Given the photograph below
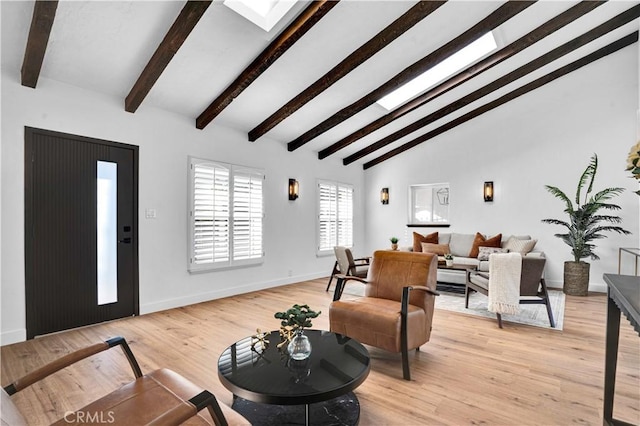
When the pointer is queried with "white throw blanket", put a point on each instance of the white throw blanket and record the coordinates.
(504, 283)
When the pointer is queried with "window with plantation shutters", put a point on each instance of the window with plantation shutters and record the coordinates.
(335, 216)
(225, 215)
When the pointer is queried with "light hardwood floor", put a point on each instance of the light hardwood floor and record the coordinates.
(471, 372)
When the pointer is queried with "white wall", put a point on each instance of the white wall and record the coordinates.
(544, 137)
(165, 141)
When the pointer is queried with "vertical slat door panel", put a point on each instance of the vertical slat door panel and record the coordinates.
(61, 233)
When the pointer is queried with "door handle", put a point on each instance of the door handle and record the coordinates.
(126, 240)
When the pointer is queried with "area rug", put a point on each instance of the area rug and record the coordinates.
(535, 315)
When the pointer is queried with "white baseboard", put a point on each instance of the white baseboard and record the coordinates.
(14, 336)
(594, 287)
(219, 294)
(20, 335)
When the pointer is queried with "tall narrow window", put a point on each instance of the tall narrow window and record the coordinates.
(335, 216)
(107, 229)
(226, 215)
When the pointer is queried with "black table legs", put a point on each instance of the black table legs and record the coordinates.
(611, 359)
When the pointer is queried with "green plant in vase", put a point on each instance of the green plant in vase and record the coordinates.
(294, 321)
(394, 243)
(297, 317)
(448, 259)
(585, 224)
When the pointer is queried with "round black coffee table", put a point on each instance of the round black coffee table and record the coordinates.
(271, 388)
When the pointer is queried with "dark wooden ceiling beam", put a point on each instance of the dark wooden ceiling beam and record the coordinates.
(44, 13)
(499, 16)
(467, 74)
(303, 23)
(621, 19)
(410, 18)
(173, 40)
(598, 54)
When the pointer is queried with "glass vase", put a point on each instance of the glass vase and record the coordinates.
(299, 347)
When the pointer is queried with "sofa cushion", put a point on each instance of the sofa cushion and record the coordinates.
(418, 239)
(506, 238)
(485, 252)
(439, 249)
(480, 241)
(520, 246)
(461, 244)
(444, 237)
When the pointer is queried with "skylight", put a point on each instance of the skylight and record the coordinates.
(263, 13)
(454, 63)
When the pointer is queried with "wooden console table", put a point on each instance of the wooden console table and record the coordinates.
(624, 296)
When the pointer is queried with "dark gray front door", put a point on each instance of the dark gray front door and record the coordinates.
(81, 245)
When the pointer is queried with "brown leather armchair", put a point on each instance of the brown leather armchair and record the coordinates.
(161, 397)
(533, 289)
(396, 311)
(347, 265)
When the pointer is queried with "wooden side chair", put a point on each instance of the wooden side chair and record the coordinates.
(533, 289)
(396, 311)
(346, 265)
(161, 397)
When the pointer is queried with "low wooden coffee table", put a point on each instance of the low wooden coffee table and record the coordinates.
(453, 287)
(270, 388)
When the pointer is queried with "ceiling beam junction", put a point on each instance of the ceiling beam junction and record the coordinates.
(617, 21)
(398, 27)
(44, 13)
(173, 40)
(467, 74)
(499, 16)
(287, 38)
(560, 72)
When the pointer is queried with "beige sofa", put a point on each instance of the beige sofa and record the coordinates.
(461, 246)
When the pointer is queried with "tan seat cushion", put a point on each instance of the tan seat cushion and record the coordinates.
(148, 397)
(376, 322)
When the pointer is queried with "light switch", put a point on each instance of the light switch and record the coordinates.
(150, 213)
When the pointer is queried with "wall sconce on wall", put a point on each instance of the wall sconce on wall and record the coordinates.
(384, 196)
(293, 189)
(488, 191)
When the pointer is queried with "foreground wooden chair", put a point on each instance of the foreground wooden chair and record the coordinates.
(161, 397)
(396, 311)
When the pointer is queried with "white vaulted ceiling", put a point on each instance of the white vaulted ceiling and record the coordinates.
(104, 46)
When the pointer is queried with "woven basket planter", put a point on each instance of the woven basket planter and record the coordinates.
(576, 278)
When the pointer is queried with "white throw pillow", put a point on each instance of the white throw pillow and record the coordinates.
(484, 252)
(520, 246)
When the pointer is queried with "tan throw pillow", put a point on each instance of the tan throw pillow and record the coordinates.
(439, 249)
(485, 252)
(520, 246)
(419, 239)
(480, 241)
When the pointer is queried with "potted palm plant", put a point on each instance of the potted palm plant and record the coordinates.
(584, 226)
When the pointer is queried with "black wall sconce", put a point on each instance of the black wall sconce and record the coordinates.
(293, 189)
(384, 196)
(488, 191)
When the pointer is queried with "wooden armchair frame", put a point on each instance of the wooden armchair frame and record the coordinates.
(352, 268)
(176, 415)
(532, 284)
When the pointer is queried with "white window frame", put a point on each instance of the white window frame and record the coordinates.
(337, 215)
(239, 213)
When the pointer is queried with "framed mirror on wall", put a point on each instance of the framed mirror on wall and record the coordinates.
(429, 204)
